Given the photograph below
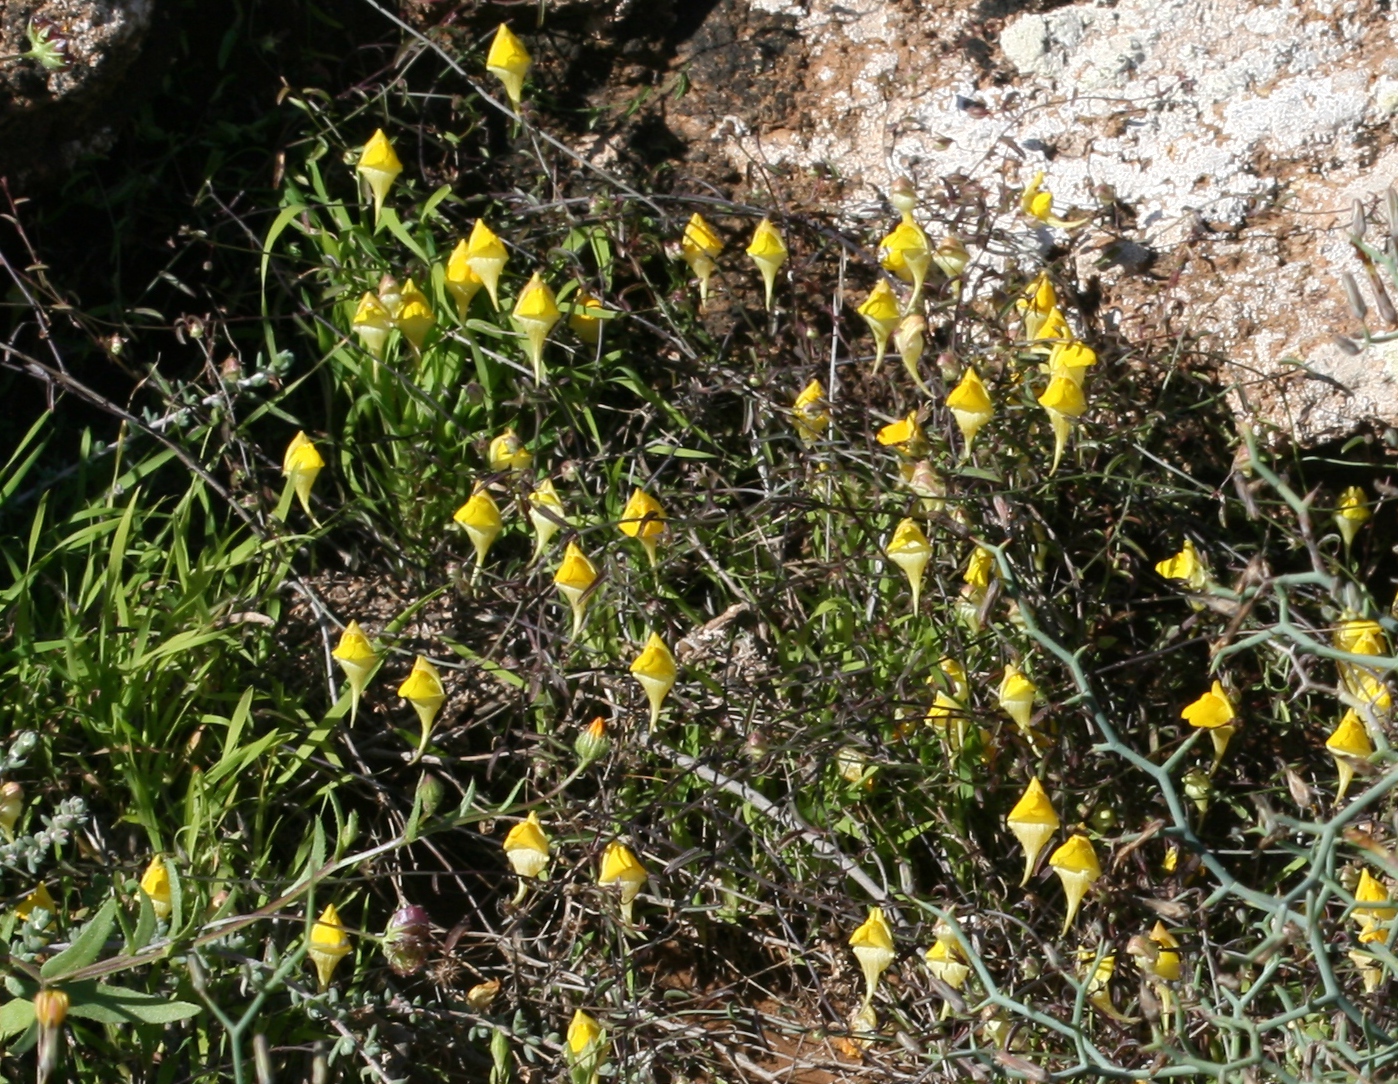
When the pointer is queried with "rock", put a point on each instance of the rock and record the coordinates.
(61, 59)
(1235, 134)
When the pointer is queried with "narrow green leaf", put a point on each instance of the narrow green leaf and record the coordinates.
(86, 947)
(280, 223)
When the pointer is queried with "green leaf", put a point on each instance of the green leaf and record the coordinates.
(86, 947)
(145, 925)
(280, 223)
(389, 217)
(118, 1005)
(15, 1016)
(494, 669)
(430, 207)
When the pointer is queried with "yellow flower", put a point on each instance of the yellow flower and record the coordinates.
(970, 405)
(585, 1045)
(1017, 695)
(1167, 964)
(1033, 822)
(1351, 513)
(1186, 566)
(11, 806)
(583, 318)
(415, 319)
(873, 947)
(155, 883)
(950, 675)
(1075, 862)
(810, 416)
(644, 520)
(481, 518)
(948, 715)
(910, 550)
(1039, 301)
(38, 899)
(300, 465)
(424, 691)
(1371, 910)
(390, 295)
(880, 312)
(547, 514)
(622, 868)
(527, 847)
(909, 338)
(1361, 636)
(329, 944)
(1349, 742)
(1037, 202)
(486, 256)
(768, 251)
(1372, 898)
(508, 60)
(461, 280)
(906, 253)
(575, 579)
(357, 659)
(1053, 329)
(979, 568)
(379, 166)
(1071, 360)
(698, 248)
(904, 436)
(1213, 711)
(507, 452)
(1157, 956)
(854, 768)
(1098, 991)
(656, 670)
(1064, 402)
(372, 323)
(535, 313)
(944, 960)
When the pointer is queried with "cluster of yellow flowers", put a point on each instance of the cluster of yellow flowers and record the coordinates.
(908, 255)
(701, 245)
(1363, 691)
(577, 577)
(476, 262)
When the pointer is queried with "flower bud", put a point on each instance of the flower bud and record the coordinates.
(50, 1008)
(406, 940)
(593, 743)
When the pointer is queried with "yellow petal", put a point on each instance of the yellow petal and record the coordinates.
(508, 61)
(527, 847)
(1065, 397)
(1213, 709)
(379, 154)
(621, 867)
(583, 1033)
(699, 237)
(422, 683)
(970, 395)
(155, 883)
